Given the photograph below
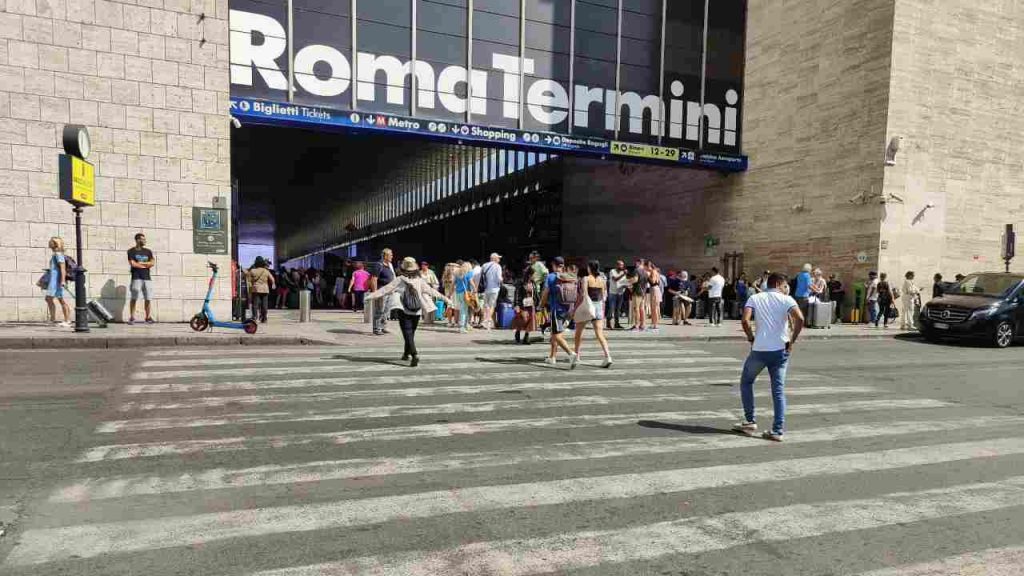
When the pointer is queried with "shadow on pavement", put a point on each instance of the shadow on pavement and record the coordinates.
(369, 360)
(689, 429)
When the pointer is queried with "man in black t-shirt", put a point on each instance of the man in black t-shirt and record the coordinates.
(383, 274)
(141, 260)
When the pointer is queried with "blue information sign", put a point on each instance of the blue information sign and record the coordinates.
(277, 113)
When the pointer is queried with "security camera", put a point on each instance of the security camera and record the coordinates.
(235, 122)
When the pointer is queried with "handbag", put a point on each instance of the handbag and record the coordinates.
(585, 311)
(472, 300)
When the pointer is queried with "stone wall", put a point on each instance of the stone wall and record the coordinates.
(957, 94)
(816, 94)
(150, 81)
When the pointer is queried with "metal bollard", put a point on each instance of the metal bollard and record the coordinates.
(368, 311)
(304, 306)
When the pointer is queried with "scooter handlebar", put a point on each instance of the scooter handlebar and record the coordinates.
(212, 266)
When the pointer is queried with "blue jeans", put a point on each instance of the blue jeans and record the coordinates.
(776, 362)
(873, 311)
(612, 313)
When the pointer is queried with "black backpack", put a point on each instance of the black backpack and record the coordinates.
(71, 267)
(411, 299)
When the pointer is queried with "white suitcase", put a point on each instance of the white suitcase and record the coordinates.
(820, 314)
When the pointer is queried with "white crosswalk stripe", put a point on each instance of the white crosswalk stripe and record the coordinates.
(350, 367)
(219, 478)
(993, 562)
(341, 357)
(375, 438)
(640, 346)
(688, 536)
(219, 401)
(456, 429)
(567, 378)
(90, 540)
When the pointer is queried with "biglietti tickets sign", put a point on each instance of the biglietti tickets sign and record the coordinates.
(640, 80)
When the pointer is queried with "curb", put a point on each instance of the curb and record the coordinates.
(122, 343)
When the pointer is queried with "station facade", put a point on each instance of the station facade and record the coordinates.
(694, 132)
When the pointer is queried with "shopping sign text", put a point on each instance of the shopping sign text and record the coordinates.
(259, 43)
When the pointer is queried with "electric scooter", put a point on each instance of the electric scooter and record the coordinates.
(205, 320)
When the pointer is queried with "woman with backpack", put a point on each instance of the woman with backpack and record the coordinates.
(411, 299)
(589, 309)
(53, 281)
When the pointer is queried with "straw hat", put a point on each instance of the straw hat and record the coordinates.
(409, 265)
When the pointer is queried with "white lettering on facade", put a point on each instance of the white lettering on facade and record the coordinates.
(258, 42)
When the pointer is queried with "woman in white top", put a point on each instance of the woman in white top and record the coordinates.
(911, 300)
(593, 288)
(410, 297)
(819, 286)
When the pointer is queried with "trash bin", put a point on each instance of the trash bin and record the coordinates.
(304, 306)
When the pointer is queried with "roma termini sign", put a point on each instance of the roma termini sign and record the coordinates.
(640, 72)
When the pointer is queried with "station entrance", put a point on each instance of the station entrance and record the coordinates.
(314, 199)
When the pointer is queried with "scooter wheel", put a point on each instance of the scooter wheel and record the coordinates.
(199, 322)
(250, 326)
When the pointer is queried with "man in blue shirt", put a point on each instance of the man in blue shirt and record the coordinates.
(558, 311)
(803, 288)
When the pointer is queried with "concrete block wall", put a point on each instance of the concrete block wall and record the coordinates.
(150, 80)
(957, 89)
(816, 95)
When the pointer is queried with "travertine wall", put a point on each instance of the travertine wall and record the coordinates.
(817, 86)
(150, 80)
(958, 101)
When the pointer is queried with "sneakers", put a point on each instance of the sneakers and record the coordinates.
(574, 359)
(415, 362)
(131, 321)
(65, 324)
(607, 362)
(151, 321)
(550, 360)
(774, 437)
(748, 428)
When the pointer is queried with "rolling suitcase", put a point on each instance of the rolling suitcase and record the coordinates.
(505, 314)
(820, 314)
(100, 313)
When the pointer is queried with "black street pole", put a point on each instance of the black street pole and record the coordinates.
(81, 306)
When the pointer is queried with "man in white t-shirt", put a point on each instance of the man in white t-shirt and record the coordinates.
(771, 347)
(715, 286)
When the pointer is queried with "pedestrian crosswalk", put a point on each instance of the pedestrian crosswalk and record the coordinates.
(484, 461)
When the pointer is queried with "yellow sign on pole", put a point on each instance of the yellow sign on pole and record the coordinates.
(77, 181)
(645, 151)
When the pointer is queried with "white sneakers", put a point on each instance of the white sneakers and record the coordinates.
(574, 359)
(550, 360)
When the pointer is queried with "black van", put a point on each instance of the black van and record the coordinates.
(986, 305)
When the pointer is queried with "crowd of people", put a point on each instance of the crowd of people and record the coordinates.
(641, 295)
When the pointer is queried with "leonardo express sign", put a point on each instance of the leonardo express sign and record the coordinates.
(505, 99)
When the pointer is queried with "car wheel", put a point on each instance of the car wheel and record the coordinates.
(1004, 334)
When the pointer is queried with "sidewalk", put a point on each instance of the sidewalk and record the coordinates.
(340, 328)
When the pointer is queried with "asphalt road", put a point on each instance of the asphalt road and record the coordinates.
(900, 457)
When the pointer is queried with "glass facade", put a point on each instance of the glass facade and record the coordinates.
(648, 71)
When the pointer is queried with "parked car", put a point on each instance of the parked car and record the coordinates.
(986, 305)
